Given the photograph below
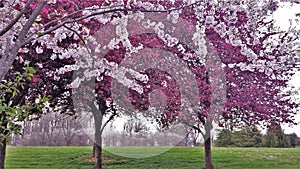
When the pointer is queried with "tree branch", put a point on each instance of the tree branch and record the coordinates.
(31, 20)
(194, 127)
(17, 18)
(13, 51)
(81, 38)
(67, 16)
(109, 120)
(101, 13)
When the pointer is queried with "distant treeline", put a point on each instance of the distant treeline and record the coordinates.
(252, 137)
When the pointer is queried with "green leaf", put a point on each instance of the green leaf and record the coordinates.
(31, 70)
(21, 118)
(9, 84)
(3, 86)
(14, 93)
(22, 86)
(8, 139)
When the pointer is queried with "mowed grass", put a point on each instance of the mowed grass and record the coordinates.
(175, 158)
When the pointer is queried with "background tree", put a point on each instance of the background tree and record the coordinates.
(224, 138)
(293, 138)
(250, 136)
(53, 129)
(247, 136)
(275, 137)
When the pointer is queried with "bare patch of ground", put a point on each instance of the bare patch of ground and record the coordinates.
(92, 159)
(270, 157)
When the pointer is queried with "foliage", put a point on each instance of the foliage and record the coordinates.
(276, 138)
(252, 137)
(246, 137)
(12, 115)
(224, 138)
(293, 137)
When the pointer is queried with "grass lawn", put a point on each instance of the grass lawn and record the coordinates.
(176, 158)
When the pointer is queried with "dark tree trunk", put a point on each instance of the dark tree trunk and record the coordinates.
(94, 149)
(98, 158)
(208, 159)
(3, 142)
(2, 153)
(97, 148)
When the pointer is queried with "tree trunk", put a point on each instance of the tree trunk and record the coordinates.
(98, 141)
(208, 159)
(94, 149)
(2, 153)
(3, 126)
(4, 68)
(98, 158)
(98, 146)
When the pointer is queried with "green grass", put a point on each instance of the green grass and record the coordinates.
(176, 158)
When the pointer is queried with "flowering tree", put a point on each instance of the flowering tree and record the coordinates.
(251, 68)
(257, 58)
(26, 92)
(17, 102)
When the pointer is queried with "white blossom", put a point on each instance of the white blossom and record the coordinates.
(37, 101)
(138, 16)
(51, 1)
(181, 48)
(39, 50)
(164, 83)
(210, 20)
(173, 16)
(75, 83)
(67, 68)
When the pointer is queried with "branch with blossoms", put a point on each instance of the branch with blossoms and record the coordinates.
(16, 19)
(11, 50)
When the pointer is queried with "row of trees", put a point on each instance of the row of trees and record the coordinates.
(52, 129)
(56, 129)
(252, 137)
(65, 130)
